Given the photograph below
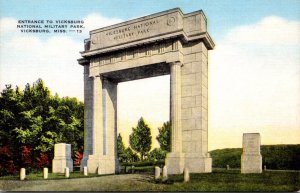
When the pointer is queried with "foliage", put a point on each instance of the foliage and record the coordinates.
(160, 163)
(164, 136)
(25, 156)
(7, 165)
(125, 155)
(157, 154)
(274, 157)
(130, 156)
(281, 156)
(78, 158)
(32, 121)
(43, 160)
(121, 149)
(140, 138)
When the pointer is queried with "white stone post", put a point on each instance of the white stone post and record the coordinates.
(67, 172)
(175, 159)
(85, 171)
(165, 174)
(157, 173)
(45, 173)
(227, 167)
(22, 174)
(186, 175)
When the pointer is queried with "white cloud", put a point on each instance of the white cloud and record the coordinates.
(95, 21)
(8, 24)
(271, 30)
(254, 82)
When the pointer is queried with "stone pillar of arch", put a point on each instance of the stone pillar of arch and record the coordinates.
(103, 155)
(175, 159)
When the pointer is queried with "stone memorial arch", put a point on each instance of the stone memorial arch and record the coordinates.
(168, 42)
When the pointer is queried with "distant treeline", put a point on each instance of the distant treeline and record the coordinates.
(283, 157)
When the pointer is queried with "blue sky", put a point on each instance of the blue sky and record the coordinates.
(254, 69)
(222, 14)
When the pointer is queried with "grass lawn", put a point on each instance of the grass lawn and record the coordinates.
(233, 180)
(218, 180)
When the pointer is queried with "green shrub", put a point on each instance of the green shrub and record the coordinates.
(157, 154)
(145, 163)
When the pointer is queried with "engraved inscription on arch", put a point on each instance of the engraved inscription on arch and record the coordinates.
(136, 31)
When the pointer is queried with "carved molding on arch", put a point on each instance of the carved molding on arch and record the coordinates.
(156, 48)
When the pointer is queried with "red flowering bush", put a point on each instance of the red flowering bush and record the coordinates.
(7, 165)
(78, 158)
(42, 160)
(26, 155)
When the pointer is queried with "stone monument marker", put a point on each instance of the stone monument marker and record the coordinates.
(168, 42)
(251, 160)
(62, 158)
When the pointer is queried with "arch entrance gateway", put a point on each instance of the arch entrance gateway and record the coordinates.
(168, 42)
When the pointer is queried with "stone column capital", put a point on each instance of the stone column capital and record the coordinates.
(175, 63)
(95, 76)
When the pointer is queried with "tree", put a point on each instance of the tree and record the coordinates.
(121, 149)
(130, 156)
(140, 138)
(125, 155)
(32, 121)
(164, 136)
